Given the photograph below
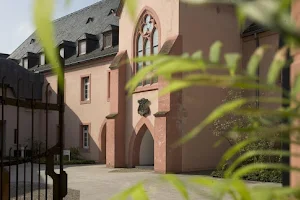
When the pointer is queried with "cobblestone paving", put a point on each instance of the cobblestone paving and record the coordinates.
(96, 182)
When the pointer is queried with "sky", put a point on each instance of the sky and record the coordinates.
(16, 20)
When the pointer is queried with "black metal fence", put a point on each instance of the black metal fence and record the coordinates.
(29, 159)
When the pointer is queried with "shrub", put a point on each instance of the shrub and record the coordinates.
(228, 125)
(75, 153)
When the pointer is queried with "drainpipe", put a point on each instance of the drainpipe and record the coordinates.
(257, 72)
(285, 84)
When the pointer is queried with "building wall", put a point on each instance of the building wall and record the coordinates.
(93, 113)
(200, 27)
(168, 20)
(25, 125)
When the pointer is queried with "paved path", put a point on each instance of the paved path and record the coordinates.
(96, 182)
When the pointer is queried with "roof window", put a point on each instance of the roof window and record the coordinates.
(90, 19)
(32, 41)
(112, 11)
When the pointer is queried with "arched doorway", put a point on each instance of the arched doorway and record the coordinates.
(147, 150)
(102, 138)
(141, 146)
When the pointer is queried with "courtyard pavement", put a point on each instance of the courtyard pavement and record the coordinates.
(96, 182)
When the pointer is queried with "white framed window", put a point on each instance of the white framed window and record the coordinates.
(42, 59)
(82, 47)
(62, 52)
(25, 63)
(85, 137)
(85, 89)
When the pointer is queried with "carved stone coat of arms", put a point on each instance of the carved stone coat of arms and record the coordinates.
(144, 107)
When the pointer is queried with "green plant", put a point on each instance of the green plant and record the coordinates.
(75, 153)
(37, 147)
(273, 14)
(225, 126)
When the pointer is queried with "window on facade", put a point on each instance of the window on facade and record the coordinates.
(147, 43)
(25, 63)
(108, 87)
(42, 59)
(85, 136)
(82, 47)
(85, 89)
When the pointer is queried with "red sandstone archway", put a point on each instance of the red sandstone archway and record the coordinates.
(136, 139)
(102, 142)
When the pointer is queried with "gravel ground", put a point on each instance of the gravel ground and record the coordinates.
(72, 194)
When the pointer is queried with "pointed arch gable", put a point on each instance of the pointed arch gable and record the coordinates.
(136, 140)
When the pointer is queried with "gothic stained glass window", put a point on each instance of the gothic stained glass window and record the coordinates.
(147, 42)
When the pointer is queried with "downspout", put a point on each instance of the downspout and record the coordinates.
(257, 72)
(285, 84)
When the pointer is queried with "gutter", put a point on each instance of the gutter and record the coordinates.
(77, 62)
(285, 84)
(257, 92)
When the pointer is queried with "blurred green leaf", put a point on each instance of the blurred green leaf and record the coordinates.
(137, 192)
(131, 6)
(178, 184)
(215, 52)
(174, 86)
(260, 11)
(241, 188)
(253, 153)
(232, 61)
(241, 18)
(242, 171)
(217, 113)
(198, 55)
(255, 60)
(296, 86)
(277, 64)
(43, 11)
(234, 150)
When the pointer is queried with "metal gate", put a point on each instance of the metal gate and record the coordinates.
(29, 158)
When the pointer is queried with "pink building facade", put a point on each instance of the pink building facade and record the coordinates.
(121, 131)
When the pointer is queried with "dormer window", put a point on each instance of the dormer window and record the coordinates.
(90, 19)
(112, 11)
(25, 63)
(107, 40)
(82, 47)
(110, 36)
(62, 52)
(43, 59)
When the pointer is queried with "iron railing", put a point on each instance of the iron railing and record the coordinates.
(34, 156)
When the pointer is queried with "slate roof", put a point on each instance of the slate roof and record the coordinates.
(12, 72)
(71, 27)
(98, 53)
